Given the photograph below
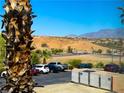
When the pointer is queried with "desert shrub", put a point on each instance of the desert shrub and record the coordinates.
(108, 51)
(74, 62)
(99, 51)
(69, 49)
(44, 45)
(99, 65)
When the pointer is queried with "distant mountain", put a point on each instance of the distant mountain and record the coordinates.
(106, 33)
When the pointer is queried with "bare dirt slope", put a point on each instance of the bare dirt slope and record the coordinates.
(63, 43)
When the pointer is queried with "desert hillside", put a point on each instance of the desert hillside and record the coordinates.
(63, 43)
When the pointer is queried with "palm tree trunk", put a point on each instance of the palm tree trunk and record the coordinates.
(44, 60)
(17, 21)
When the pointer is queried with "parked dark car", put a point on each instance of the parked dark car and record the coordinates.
(58, 65)
(112, 67)
(121, 70)
(34, 71)
(53, 68)
(85, 65)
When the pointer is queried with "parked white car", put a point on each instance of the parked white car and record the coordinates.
(43, 68)
(3, 74)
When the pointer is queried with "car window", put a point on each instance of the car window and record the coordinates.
(59, 63)
(33, 67)
(46, 66)
(39, 66)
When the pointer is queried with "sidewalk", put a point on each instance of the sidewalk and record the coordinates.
(68, 88)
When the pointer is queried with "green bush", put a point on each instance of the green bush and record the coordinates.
(121, 64)
(99, 65)
(1, 67)
(74, 62)
(2, 49)
(56, 51)
(38, 51)
(90, 65)
(35, 58)
(70, 67)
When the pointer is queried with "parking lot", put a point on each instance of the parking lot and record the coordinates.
(53, 78)
(61, 81)
(48, 79)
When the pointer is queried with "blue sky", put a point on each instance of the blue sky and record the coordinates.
(64, 17)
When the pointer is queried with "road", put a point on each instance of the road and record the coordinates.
(48, 79)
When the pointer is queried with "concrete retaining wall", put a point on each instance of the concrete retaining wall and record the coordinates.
(94, 79)
(75, 77)
(106, 82)
(84, 78)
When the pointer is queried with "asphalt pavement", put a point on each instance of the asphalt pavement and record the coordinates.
(48, 79)
(53, 78)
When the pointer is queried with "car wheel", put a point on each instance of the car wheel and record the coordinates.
(41, 72)
(63, 70)
(3, 75)
(55, 71)
(51, 71)
(35, 74)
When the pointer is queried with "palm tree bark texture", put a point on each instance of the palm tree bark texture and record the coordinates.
(17, 21)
